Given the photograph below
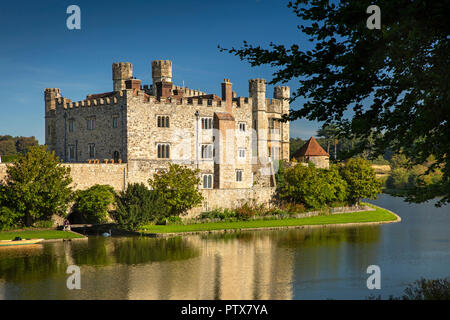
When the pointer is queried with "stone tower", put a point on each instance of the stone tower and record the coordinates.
(257, 91)
(121, 71)
(283, 93)
(161, 71)
(50, 96)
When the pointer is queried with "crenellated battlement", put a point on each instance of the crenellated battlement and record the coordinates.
(65, 103)
(281, 92)
(161, 71)
(257, 84)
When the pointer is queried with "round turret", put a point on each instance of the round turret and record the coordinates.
(162, 71)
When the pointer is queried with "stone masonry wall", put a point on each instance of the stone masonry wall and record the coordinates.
(86, 175)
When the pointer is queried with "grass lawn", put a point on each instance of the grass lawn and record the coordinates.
(38, 234)
(378, 215)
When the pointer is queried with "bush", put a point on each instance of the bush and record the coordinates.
(37, 186)
(9, 219)
(361, 180)
(92, 204)
(423, 289)
(293, 208)
(177, 188)
(47, 224)
(138, 206)
(312, 187)
(245, 212)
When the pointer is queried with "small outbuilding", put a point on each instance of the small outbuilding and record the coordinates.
(312, 151)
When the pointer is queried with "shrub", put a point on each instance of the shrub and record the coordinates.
(9, 219)
(138, 206)
(423, 289)
(361, 180)
(245, 212)
(92, 204)
(308, 186)
(37, 186)
(177, 188)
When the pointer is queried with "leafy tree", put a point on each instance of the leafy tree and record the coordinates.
(92, 204)
(338, 188)
(330, 134)
(23, 144)
(361, 180)
(312, 187)
(294, 145)
(37, 186)
(7, 147)
(178, 187)
(138, 206)
(389, 85)
(423, 289)
(8, 217)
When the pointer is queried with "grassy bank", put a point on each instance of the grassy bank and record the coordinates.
(378, 215)
(38, 234)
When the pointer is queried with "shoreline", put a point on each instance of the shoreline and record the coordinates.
(234, 230)
(46, 234)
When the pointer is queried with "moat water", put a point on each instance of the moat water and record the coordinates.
(315, 263)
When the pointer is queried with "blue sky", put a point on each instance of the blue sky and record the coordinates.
(37, 50)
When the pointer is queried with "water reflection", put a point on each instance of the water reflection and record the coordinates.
(246, 265)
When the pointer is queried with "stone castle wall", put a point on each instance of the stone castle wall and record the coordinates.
(117, 175)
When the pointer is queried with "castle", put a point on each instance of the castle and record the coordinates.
(234, 142)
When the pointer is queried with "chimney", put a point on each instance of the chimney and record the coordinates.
(227, 95)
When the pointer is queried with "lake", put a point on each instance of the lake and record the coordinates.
(311, 263)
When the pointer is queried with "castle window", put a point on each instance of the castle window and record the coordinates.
(271, 125)
(163, 151)
(116, 156)
(71, 125)
(241, 153)
(242, 126)
(207, 151)
(274, 152)
(91, 150)
(207, 123)
(163, 121)
(115, 121)
(238, 175)
(71, 153)
(91, 124)
(207, 181)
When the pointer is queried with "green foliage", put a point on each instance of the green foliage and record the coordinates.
(279, 176)
(37, 186)
(361, 180)
(313, 187)
(92, 204)
(294, 145)
(9, 219)
(438, 289)
(392, 82)
(178, 188)
(10, 146)
(138, 206)
(416, 179)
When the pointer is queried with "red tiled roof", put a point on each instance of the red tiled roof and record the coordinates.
(311, 148)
